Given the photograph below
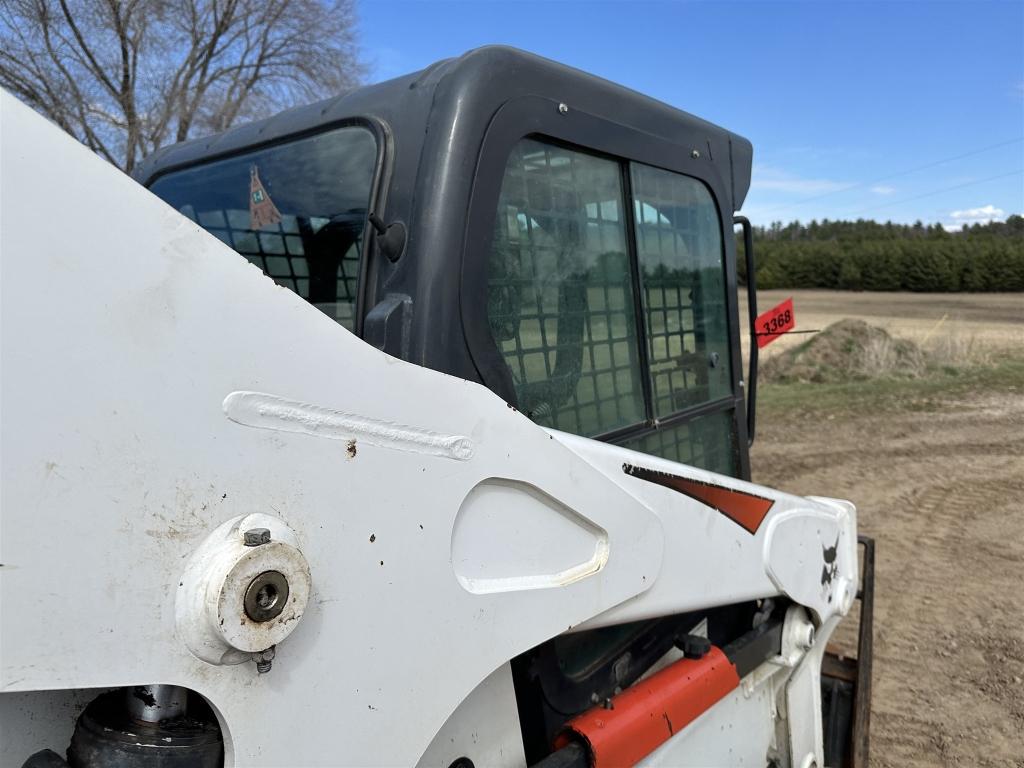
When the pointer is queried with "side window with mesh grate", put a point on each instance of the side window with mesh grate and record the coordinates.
(560, 292)
(682, 275)
(561, 303)
(296, 210)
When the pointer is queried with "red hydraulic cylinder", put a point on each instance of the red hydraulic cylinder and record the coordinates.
(649, 712)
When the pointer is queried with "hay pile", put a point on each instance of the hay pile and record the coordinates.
(846, 350)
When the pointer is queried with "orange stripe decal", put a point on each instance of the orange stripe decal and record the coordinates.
(651, 711)
(744, 509)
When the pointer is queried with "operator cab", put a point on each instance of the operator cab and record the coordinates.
(562, 240)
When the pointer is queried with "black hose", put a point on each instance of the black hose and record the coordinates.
(572, 755)
(47, 758)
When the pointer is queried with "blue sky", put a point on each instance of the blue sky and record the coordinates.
(896, 110)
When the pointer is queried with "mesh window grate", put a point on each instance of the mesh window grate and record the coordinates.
(280, 251)
(318, 188)
(679, 247)
(708, 442)
(560, 301)
(561, 307)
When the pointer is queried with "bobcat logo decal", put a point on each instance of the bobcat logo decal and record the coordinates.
(830, 567)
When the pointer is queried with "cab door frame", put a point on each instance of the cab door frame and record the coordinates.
(692, 154)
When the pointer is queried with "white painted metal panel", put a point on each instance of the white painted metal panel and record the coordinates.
(485, 728)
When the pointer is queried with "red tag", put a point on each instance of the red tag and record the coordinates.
(775, 322)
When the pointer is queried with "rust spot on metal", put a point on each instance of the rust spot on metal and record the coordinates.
(144, 695)
(350, 449)
(373, 537)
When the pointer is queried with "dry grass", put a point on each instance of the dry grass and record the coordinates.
(849, 349)
(854, 350)
(886, 356)
(952, 344)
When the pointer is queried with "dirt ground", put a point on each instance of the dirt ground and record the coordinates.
(941, 489)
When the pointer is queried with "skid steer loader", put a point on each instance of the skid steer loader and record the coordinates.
(406, 428)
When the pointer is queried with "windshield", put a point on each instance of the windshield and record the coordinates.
(296, 210)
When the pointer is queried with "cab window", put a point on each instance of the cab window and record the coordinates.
(679, 249)
(296, 210)
(560, 296)
(603, 334)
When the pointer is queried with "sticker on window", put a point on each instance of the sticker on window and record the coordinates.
(262, 211)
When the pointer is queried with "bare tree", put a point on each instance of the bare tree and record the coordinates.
(128, 76)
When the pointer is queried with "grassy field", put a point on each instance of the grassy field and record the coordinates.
(935, 464)
(935, 390)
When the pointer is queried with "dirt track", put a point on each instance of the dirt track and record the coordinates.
(942, 492)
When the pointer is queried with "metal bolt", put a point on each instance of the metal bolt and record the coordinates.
(805, 637)
(620, 669)
(254, 537)
(694, 646)
(563, 108)
(695, 154)
(264, 660)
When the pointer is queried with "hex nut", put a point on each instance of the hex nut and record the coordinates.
(255, 537)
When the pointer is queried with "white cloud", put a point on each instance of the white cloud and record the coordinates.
(882, 189)
(778, 180)
(968, 216)
(986, 213)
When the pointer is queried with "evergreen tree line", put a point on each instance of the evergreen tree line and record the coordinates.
(869, 256)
